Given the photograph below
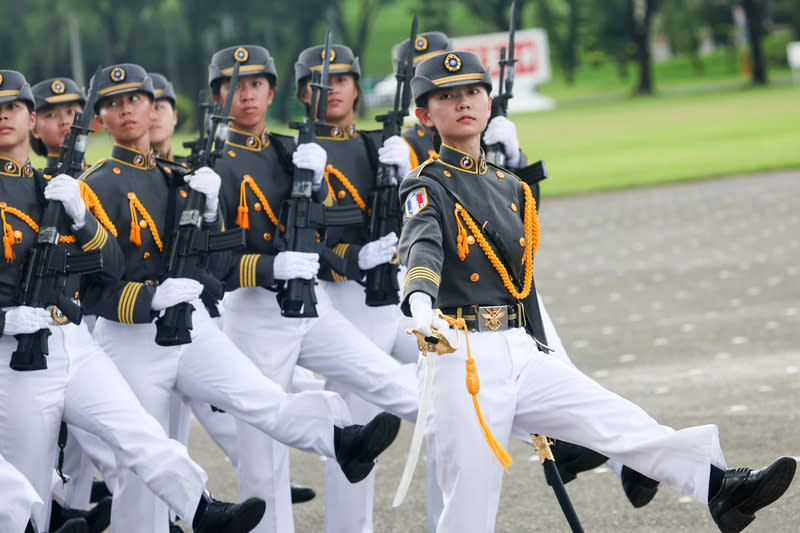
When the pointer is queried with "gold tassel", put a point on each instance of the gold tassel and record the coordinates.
(461, 241)
(135, 237)
(242, 220)
(8, 239)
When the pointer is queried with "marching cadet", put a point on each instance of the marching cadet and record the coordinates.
(570, 458)
(57, 101)
(353, 156)
(469, 241)
(140, 200)
(165, 117)
(257, 169)
(79, 383)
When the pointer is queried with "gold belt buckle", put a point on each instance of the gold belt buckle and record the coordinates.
(492, 317)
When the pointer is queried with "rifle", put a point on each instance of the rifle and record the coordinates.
(189, 245)
(298, 299)
(196, 146)
(382, 287)
(495, 153)
(48, 266)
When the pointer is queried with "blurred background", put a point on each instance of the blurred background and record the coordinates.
(643, 91)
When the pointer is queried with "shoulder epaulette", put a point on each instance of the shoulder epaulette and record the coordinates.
(91, 169)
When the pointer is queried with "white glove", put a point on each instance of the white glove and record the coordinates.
(421, 307)
(502, 131)
(295, 265)
(377, 252)
(65, 189)
(174, 291)
(206, 181)
(395, 151)
(313, 157)
(24, 319)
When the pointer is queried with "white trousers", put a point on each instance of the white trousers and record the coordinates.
(210, 369)
(520, 386)
(19, 499)
(349, 506)
(328, 345)
(82, 386)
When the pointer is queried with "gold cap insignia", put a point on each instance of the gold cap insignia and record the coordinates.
(241, 54)
(452, 62)
(333, 55)
(117, 74)
(421, 43)
(57, 87)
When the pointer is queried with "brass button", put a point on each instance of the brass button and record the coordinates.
(3, 204)
(474, 277)
(369, 211)
(267, 237)
(514, 207)
(131, 196)
(500, 174)
(231, 153)
(17, 236)
(77, 295)
(458, 206)
(470, 239)
(183, 193)
(146, 255)
(522, 241)
(447, 173)
(341, 194)
(247, 177)
(283, 227)
(116, 170)
(421, 133)
(167, 170)
(257, 206)
(142, 224)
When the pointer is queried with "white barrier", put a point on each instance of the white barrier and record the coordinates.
(793, 58)
(532, 69)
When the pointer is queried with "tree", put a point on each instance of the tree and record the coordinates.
(640, 22)
(561, 20)
(754, 11)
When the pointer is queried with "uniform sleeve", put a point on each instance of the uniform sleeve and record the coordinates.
(420, 247)
(248, 270)
(122, 301)
(340, 263)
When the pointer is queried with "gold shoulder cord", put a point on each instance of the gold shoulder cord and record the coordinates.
(93, 204)
(135, 236)
(331, 170)
(531, 223)
(242, 219)
(9, 239)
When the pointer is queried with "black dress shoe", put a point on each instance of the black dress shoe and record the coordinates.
(75, 525)
(99, 491)
(745, 491)
(358, 446)
(572, 459)
(639, 488)
(213, 516)
(98, 518)
(301, 494)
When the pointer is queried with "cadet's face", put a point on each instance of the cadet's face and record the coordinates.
(53, 123)
(341, 99)
(251, 100)
(165, 118)
(127, 117)
(458, 112)
(15, 123)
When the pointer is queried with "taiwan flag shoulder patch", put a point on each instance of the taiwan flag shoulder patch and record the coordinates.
(417, 200)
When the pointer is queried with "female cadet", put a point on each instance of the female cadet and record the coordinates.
(468, 241)
(256, 169)
(165, 117)
(353, 156)
(79, 384)
(57, 101)
(142, 200)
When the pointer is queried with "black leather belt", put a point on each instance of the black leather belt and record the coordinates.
(489, 317)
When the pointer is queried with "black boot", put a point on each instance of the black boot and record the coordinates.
(301, 494)
(358, 446)
(745, 491)
(572, 459)
(99, 491)
(213, 516)
(98, 518)
(74, 525)
(639, 488)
